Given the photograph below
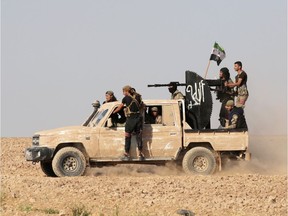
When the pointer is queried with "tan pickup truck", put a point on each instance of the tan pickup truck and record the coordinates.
(69, 151)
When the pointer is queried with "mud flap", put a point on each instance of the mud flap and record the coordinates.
(219, 161)
(247, 156)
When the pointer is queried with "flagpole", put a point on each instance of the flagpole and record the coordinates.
(207, 69)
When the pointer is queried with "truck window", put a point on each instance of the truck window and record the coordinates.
(165, 112)
(100, 116)
(116, 119)
(153, 115)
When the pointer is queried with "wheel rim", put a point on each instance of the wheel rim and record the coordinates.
(200, 163)
(70, 164)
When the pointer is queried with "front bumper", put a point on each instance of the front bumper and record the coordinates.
(37, 153)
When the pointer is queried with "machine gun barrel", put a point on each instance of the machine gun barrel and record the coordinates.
(166, 85)
(210, 82)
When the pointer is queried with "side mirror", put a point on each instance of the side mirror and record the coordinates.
(96, 104)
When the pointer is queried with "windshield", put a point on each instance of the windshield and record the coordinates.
(97, 118)
(92, 116)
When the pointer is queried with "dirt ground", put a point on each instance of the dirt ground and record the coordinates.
(258, 187)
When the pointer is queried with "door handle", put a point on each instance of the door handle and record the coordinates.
(173, 134)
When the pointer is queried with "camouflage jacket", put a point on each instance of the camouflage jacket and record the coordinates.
(177, 95)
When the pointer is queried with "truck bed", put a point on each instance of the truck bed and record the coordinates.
(219, 139)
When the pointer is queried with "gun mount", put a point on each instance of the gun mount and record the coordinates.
(198, 98)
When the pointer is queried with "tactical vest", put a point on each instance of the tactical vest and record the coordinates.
(128, 111)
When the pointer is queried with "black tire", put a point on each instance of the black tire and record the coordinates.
(47, 168)
(69, 161)
(199, 160)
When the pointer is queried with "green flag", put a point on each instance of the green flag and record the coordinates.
(218, 54)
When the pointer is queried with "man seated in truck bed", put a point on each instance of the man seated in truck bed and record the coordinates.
(236, 118)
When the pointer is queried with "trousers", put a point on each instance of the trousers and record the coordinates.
(133, 124)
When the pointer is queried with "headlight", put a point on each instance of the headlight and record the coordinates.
(35, 140)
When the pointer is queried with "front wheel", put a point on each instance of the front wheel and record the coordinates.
(47, 168)
(199, 160)
(69, 161)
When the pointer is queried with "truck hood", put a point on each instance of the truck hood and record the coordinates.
(63, 131)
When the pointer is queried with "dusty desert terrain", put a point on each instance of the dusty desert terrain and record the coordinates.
(258, 187)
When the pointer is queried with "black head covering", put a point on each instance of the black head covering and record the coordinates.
(226, 74)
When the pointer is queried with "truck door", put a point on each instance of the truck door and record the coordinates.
(112, 142)
(111, 139)
(92, 137)
(162, 140)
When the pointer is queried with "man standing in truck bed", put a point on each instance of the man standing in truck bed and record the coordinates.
(175, 93)
(224, 94)
(241, 84)
(133, 122)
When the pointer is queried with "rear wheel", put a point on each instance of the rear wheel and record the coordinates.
(69, 161)
(47, 168)
(199, 160)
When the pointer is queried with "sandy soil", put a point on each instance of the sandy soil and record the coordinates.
(258, 187)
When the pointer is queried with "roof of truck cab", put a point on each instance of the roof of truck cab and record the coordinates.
(153, 102)
(161, 101)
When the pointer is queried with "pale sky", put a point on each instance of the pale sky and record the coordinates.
(57, 56)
